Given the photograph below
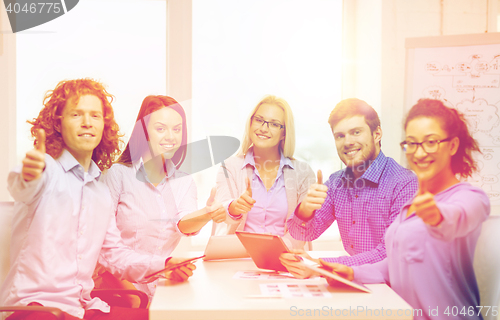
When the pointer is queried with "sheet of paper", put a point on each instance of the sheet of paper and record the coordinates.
(295, 290)
(262, 275)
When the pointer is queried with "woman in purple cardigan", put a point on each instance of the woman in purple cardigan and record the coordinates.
(261, 186)
(430, 246)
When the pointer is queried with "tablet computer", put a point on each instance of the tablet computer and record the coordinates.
(264, 249)
(225, 247)
(317, 268)
(180, 264)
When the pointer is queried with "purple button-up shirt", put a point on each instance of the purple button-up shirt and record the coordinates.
(363, 208)
(432, 267)
(268, 214)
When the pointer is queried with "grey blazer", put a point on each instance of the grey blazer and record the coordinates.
(297, 182)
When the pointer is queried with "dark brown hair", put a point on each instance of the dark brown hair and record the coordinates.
(454, 123)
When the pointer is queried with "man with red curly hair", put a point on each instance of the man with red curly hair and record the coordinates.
(63, 223)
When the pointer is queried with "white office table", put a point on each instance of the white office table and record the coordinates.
(212, 293)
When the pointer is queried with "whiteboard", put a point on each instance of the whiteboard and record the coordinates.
(464, 72)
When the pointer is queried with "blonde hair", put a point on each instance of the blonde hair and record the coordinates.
(287, 145)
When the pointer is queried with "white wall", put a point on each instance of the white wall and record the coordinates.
(402, 19)
(374, 48)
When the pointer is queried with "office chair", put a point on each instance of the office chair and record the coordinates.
(117, 297)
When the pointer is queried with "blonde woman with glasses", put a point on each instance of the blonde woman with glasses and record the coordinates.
(261, 186)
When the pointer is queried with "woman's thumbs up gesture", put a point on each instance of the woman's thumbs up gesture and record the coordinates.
(244, 203)
(425, 206)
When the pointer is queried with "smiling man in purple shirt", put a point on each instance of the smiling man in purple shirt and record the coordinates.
(364, 198)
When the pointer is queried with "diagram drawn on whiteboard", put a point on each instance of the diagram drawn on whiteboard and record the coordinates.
(468, 79)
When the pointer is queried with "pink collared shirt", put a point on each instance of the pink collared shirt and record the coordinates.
(64, 224)
(147, 216)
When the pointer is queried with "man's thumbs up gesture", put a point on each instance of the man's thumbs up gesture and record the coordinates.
(34, 162)
(244, 203)
(314, 199)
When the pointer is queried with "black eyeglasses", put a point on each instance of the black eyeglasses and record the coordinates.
(270, 124)
(429, 146)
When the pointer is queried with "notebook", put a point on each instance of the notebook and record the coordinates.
(264, 249)
(225, 247)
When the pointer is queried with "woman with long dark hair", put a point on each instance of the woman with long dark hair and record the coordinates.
(430, 246)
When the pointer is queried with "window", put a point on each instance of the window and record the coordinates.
(243, 50)
(121, 43)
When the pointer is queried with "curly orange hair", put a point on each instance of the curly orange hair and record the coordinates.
(70, 91)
